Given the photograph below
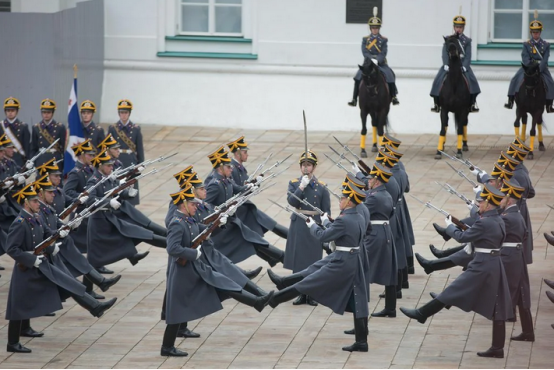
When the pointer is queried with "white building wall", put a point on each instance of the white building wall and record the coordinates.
(307, 56)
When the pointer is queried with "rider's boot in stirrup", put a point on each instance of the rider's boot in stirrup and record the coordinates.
(510, 103)
(437, 107)
(549, 107)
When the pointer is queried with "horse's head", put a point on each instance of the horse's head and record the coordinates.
(370, 73)
(531, 75)
(453, 47)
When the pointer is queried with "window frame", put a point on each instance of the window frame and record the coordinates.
(527, 17)
(212, 5)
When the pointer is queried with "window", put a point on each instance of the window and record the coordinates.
(210, 17)
(511, 18)
(5, 5)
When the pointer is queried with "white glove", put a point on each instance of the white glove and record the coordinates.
(223, 220)
(112, 177)
(64, 233)
(310, 222)
(7, 184)
(76, 224)
(355, 168)
(21, 180)
(140, 168)
(475, 171)
(114, 204)
(29, 165)
(304, 182)
(38, 261)
(259, 179)
(122, 181)
(446, 68)
(2, 199)
(464, 69)
(198, 253)
(375, 61)
(478, 189)
(325, 217)
(468, 249)
(471, 205)
(56, 248)
(448, 221)
(132, 192)
(83, 199)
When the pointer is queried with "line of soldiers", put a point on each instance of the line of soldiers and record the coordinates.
(28, 141)
(497, 248)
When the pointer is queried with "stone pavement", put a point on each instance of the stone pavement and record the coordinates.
(129, 335)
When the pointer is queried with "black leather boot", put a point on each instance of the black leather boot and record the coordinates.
(498, 339)
(436, 108)
(510, 103)
(283, 296)
(157, 229)
(473, 108)
(250, 299)
(447, 252)
(168, 344)
(27, 331)
(430, 266)
(360, 331)
(392, 91)
(390, 303)
(435, 295)
(528, 334)
(251, 287)
(310, 301)
(104, 284)
(272, 255)
(88, 288)
(300, 300)
(285, 281)
(95, 308)
(442, 232)
(104, 270)
(410, 260)
(549, 107)
(14, 328)
(404, 278)
(137, 257)
(421, 314)
(157, 241)
(280, 231)
(354, 100)
(251, 274)
(184, 332)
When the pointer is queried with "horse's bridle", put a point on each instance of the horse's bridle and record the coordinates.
(369, 86)
(535, 77)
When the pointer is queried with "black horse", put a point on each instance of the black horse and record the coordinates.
(530, 98)
(375, 100)
(454, 97)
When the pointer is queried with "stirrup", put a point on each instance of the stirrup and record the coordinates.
(549, 109)
(353, 102)
(436, 109)
(509, 104)
(474, 108)
(395, 100)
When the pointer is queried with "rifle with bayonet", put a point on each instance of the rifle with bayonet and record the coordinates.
(260, 166)
(465, 162)
(41, 152)
(331, 191)
(130, 171)
(200, 238)
(275, 165)
(462, 174)
(305, 202)
(455, 220)
(338, 164)
(66, 212)
(361, 163)
(453, 191)
(342, 156)
(118, 189)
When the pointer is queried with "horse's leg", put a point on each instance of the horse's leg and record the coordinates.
(523, 126)
(363, 115)
(539, 127)
(465, 147)
(442, 135)
(374, 147)
(532, 136)
(461, 122)
(375, 128)
(380, 121)
(516, 122)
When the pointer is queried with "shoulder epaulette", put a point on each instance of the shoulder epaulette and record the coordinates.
(294, 180)
(321, 182)
(19, 219)
(177, 219)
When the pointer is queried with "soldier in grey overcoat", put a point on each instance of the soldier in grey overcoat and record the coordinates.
(379, 241)
(37, 284)
(534, 51)
(337, 281)
(514, 260)
(220, 189)
(9, 209)
(92, 131)
(110, 238)
(374, 48)
(17, 131)
(465, 43)
(302, 248)
(75, 263)
(483, 287)
(76, 184)
(194, 289)
(239, 148)
(46, 132)
(129, 137)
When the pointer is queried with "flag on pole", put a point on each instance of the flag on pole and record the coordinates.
(75, 129)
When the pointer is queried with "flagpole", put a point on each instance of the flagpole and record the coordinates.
(74, 70)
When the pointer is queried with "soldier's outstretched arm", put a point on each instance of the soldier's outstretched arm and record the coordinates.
(476, 231)
(333, 232)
